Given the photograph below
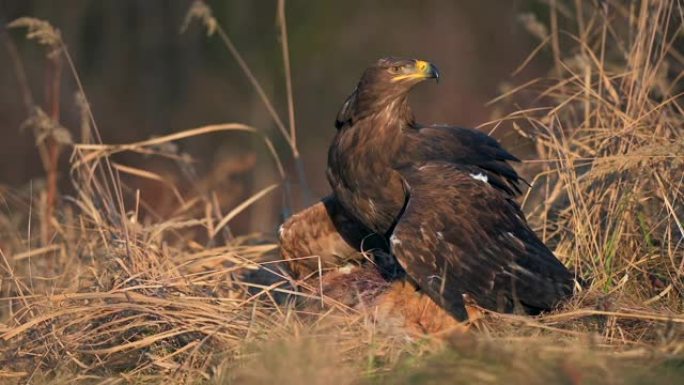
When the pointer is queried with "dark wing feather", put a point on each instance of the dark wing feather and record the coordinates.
(466, 146)
(458, 234)
(344, 115)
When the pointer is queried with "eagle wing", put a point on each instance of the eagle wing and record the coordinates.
(458, 235)
(467, 146)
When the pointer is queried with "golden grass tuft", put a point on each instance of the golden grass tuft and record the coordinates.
(608, 129)
(130, 295)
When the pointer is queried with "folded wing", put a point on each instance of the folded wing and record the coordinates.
(466, 146)
(459, 234)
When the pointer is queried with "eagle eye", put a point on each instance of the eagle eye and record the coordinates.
(395, 69)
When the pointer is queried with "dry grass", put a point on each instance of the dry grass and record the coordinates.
(113, 292)
(608, 129)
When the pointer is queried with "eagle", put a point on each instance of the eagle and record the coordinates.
(438, 203)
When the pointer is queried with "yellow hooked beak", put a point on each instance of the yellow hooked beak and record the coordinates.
(421, 70)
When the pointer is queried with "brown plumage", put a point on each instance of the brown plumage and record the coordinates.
(312, 239)
(442, 195)
(324, 237)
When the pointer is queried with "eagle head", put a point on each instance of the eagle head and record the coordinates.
(383, 84)
(401, 72)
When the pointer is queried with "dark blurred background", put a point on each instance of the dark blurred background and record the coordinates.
(144, 78)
